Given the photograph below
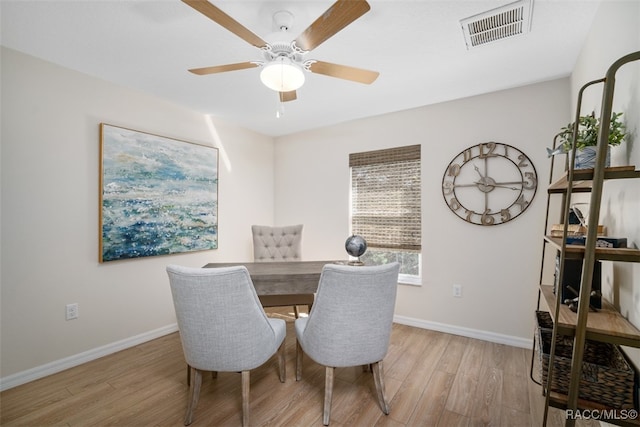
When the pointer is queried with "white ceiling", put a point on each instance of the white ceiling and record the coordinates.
(417, 46)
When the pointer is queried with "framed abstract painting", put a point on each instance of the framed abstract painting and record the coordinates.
(158, 195)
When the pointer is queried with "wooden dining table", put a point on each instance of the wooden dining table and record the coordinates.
(277, 278)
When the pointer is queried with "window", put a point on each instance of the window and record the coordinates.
(386, 207)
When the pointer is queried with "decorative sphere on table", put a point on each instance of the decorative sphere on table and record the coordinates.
(356, 246)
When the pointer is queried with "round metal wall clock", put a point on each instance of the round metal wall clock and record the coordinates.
(489, 183)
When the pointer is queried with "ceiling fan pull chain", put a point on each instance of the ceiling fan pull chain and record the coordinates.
(280, 108)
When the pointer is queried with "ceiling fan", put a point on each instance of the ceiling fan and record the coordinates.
(285, 60)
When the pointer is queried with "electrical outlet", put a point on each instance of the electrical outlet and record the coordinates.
(457, 291)
(72, 311)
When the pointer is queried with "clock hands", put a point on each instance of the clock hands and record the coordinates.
(510, 182)
(490, 183)
(465, 185)
(487, 182)
(501, 185)
(478, 170)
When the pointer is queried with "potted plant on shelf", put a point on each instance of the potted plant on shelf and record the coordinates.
(587, 139)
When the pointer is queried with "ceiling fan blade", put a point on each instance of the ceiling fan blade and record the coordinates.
(218, 16)
(344, 72)
(338, 16)
(223, 68)
(288, 96)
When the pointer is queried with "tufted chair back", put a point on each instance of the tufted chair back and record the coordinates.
(272, 244)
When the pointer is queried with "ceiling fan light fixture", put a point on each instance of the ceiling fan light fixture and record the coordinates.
(282, 75)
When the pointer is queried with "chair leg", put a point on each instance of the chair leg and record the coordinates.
(298, 361)
(194, 395)
(295, 311)
(282, 363)
(245, 398)
(214, 375)
(328, 393)
(377, 378)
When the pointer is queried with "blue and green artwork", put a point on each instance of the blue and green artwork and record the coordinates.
(159, 195)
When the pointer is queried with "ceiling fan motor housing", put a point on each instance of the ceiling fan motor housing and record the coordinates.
(280, 48)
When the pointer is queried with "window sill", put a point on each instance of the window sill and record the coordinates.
(410, 280)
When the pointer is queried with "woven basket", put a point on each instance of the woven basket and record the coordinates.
(606, 376)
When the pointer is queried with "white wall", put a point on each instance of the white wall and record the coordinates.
(498, 266)
(615, 33)
(49, 200)
(50, 166)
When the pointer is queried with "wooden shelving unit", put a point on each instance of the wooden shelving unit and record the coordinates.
(601, 254)
(582, 179)
(605, 324)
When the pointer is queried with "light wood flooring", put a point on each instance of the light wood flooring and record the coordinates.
(431, 378)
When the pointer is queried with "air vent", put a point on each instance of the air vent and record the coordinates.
(504, 22)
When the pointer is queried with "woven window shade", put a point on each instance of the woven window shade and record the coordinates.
(385, 197)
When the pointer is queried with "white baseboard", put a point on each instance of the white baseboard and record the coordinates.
(96, 353)
(78, 359)
(465, 332)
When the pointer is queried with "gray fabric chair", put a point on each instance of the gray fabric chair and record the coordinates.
(278, 244)
(349, 324)
(223, 327)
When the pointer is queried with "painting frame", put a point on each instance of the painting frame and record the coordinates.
(158, 195)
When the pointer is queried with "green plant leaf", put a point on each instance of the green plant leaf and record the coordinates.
(588, 129)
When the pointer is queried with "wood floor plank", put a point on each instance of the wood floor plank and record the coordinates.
(167, 404)
(453, 419)
(59, 413)
(269, 403)
(431, 379)
(473, 358)
(431, 405)
(463, 394)
(30, 397)
(388, 422)
(413, 348)
(513, 417)
(517, 362)
(413, 387)
(356, 398)
(455, 350)
(510, 396)
(371, 414)
(487, 405)
(494, 355)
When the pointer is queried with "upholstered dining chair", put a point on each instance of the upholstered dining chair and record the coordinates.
(278, 244)
(223, 327)
(349, 324)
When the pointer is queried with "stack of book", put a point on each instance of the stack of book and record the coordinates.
(574, 230)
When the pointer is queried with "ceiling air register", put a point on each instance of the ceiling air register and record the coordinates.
(511, 20)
